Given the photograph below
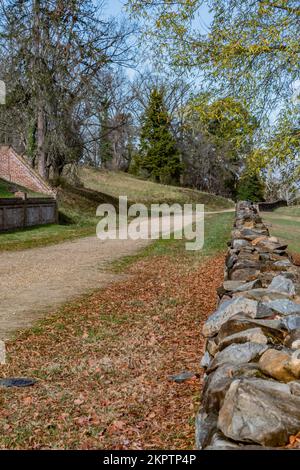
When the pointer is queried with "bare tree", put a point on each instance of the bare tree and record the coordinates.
(53, 51)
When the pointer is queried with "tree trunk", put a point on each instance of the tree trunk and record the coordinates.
(41, 154)
(40, 111)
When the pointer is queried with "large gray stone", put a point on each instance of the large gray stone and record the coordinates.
(218, 382)
(238, 354)
(239, 243)
(206, 360)
(231, 260)
(266, 277)
(260, 411)
(248, 256)
(262, 294)
(232, 287)
(291, 322)
(271, 246)
(226, 310)
(254, 335)
(279, 306)
(244, 274)
(241, 322)
(248, 285)
(283, 285)
(215, 387)
(206, 426)
(272, 329)
(286, 263)
(246, 264)
(218, 442)
(252, 234)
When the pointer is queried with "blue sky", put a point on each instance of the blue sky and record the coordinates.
(114, 7)
(117, 8)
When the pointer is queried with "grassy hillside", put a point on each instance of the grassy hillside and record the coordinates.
(8, 189)
(117, 184)
(77, 206)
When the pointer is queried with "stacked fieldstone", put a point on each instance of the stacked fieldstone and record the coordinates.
(251, 395)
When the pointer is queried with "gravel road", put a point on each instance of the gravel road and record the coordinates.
(36, 281)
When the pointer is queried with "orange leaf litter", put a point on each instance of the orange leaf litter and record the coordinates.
(103, 362)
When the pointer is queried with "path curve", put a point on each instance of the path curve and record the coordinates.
(37, 280)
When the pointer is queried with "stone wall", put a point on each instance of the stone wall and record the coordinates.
(15, 169)
(18, 213)
(251, 395)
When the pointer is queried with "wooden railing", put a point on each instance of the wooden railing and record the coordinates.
(271, 206)
(16, 213)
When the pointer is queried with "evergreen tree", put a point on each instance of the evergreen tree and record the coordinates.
(250, 187)
(159, 155)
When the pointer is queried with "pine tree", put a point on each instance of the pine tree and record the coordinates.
(159, 155)
(250, 187)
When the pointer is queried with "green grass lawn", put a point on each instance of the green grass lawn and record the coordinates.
(286, 229)
(292, 211)
(42, 235)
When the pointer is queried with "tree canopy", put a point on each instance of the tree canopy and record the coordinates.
(250, 51)
(251, 47)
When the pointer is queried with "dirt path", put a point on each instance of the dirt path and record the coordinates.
(32, 281)
(36, 280)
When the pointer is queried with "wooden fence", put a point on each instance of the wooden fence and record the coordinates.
(271, 206)
(16, 213)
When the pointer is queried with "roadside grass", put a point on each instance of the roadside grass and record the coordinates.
(146, 192)
(217, 232)
(293, 211)
(42, 235)
(287, 230)
(103, 361)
